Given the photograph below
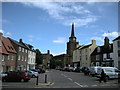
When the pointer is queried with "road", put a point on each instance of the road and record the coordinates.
(62, 79)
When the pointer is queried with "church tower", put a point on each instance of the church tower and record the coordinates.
(71, 46)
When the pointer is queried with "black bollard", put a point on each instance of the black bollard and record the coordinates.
(37, 80)
(45, 78)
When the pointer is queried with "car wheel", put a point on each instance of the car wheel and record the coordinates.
(107, 78)
(22, 80)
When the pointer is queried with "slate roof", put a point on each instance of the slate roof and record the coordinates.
(102, 50)
(86, 46)
(118, 38)
(18, 43)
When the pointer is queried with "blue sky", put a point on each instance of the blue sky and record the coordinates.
(47, 25)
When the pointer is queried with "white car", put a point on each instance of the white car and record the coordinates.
(94, 70)
(34, 74)
(111, 72)
(2, 74)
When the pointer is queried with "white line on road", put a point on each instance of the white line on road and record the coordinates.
(64, 75)
(78, 84)
(70, 79)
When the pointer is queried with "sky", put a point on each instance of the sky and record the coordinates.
(47, 25)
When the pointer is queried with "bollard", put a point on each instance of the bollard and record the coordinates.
(37, 80)
(45, 78)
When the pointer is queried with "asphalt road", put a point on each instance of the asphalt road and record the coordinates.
(61, 79)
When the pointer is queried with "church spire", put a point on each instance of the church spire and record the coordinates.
(72, 31)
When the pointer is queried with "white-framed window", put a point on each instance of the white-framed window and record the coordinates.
(8, 57)
(22, 58)
(11, 68)
(3, 57)
(97, 57)
(26, 50)
(25, 58)
(12, 57)
(22, 49)
(98, 49)
(19, 57)
(19, 48)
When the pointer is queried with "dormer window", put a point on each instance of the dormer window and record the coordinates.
(98, 49)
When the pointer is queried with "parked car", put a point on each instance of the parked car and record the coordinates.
(36, 70)
(64, 68)
(111, 72)
(87, 71)
(33, 73)
(16, 76)
(70, 69)
(82, 69)
(77, 69)
(93, 70)
(2, 74)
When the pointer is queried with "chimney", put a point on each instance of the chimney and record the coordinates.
(106, 42)
(48, 51)
(20, 40)
(94, 42)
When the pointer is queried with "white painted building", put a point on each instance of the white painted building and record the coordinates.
(116, 51)
(31, 59)
(82, 54)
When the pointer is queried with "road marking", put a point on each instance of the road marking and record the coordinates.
(52, 83)
(63, 75)
(78, 84)
(70, 79)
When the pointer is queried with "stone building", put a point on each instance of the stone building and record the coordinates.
(71, 46)
(103, 55)
(116, 52)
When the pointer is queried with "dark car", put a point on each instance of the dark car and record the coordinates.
(87, 71)
(16, 76)
(77, 69)
(70, 69)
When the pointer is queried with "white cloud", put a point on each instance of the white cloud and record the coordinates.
(112, 34)
(55, 54)
(8, 34)
(2, 31)
(60, 40)
(98, 39)
(66, 13)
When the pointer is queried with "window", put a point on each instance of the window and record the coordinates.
(86, 50)
(118, 53)
(19, 57)
(8, 57)
(19, 48)
(12, 57)
(26, 50)
(22, 58)
(3, 58)
(97, 57)
(98, 49)
(25, 58)
(22, 49)
(86, 57)
(108, 55)
(118, 44)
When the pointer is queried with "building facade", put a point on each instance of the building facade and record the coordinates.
(46, 59)
(22, 54)
(116, 51)
(103, 55)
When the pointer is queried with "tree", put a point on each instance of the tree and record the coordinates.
(39, 57)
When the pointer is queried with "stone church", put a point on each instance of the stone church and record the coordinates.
(71, 46)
